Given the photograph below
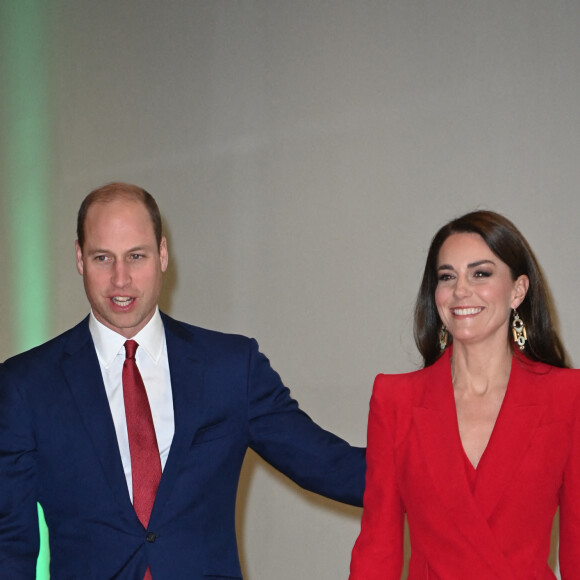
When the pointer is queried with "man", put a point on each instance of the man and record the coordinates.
(134, 447)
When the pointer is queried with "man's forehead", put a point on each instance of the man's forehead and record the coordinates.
(119, 214)
(119, 226)
(114, 205)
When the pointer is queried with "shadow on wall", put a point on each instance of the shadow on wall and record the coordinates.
(252, 463)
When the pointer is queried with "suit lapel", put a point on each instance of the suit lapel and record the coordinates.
(83, 374)
(186, 368)
(82, 371)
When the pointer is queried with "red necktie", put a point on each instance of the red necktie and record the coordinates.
(145, 462)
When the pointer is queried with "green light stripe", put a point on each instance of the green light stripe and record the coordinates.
(25, 179)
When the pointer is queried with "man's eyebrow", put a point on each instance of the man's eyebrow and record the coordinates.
(129, 251)
(139, 249)
(97, 251)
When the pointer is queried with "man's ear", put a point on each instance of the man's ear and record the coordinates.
(79, 254)
(163, 254)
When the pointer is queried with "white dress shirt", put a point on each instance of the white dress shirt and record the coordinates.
(153, 365)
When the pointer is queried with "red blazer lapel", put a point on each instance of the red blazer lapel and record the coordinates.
(521, 412)
(435, 419)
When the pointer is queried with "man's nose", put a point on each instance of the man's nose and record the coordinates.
(121, 276)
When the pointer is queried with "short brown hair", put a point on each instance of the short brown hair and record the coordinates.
(112, 192)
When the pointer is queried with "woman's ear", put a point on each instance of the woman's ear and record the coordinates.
(521, 286)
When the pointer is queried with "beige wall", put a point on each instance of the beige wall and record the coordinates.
(303, 154)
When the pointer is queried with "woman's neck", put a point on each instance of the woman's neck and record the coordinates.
(479, 369)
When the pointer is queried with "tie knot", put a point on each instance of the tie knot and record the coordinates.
(130, 348)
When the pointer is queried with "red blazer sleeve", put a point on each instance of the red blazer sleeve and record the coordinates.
(378, 551)
(569, 551)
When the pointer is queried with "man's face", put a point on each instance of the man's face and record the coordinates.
(121, 265)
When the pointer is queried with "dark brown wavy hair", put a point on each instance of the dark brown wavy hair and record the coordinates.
(509, 245)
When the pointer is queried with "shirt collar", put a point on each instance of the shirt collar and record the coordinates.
(109, 343)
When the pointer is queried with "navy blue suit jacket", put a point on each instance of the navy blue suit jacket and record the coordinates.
(58, 446)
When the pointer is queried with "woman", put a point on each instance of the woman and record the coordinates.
(480, 446)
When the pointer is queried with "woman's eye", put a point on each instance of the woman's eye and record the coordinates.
(482, 274)
(445, 277)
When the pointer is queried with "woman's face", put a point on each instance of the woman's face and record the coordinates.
(475, 291)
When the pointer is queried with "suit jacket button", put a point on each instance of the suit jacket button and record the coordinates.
(151, 537)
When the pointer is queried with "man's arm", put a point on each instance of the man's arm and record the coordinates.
(19, 536)
(287, 438)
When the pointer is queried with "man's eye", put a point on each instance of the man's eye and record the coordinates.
(100, 258)
(136, 256)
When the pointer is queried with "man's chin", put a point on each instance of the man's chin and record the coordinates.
(127, 325)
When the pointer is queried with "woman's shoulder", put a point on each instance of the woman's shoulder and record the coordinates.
(416, 379)
(407, 388)
(396, 381)
(557, 387)
(548, 374)
(565, 382)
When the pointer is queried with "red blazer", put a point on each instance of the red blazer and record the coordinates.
(416, 465)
